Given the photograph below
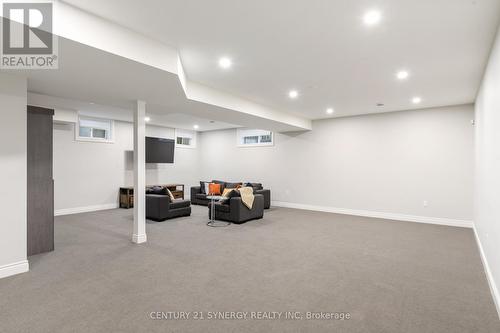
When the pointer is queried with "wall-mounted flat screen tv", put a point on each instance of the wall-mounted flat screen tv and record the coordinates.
(159, 150)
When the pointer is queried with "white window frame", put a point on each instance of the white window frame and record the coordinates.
(243, 132)
(186, 134)
(111, 138)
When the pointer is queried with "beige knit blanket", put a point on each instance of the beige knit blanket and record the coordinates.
(247, 196)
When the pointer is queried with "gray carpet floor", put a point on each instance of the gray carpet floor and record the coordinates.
(389, 276)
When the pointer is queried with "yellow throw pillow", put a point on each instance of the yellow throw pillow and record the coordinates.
(227, 191)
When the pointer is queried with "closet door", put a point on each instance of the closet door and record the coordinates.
(40, 181)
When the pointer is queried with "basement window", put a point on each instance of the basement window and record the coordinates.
(183, 141)
(94, 129)
(254, 137)
(185, 138)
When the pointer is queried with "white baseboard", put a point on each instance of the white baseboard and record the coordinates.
(77, 210)
(380, 215)
(491, 282)
(14, 268)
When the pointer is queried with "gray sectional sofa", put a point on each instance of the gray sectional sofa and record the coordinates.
(198, 197)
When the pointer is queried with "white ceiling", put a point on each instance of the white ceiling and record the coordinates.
(322, 48)
(112, 82)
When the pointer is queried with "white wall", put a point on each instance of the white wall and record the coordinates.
(487, 174)
(388, 163)
(87, 175)
(13, 164)
(383, 165)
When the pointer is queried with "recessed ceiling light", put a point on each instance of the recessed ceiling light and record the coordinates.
(225, 62)
(416, 100)
(402, 75)
(91, 103)
(293, 94)
(329, 110)
(196, 126)
(146, 119)
(372, 17)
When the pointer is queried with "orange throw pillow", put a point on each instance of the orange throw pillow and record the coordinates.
(214, 189)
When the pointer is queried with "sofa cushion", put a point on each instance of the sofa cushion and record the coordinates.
(255, 186)
(233, 185)
(179, 203)
(201, 196)
(159, 196)
(221, 182)
(156, 190)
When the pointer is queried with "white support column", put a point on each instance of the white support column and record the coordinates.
(139, 233)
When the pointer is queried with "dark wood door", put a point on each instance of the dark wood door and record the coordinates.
(40, 181)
